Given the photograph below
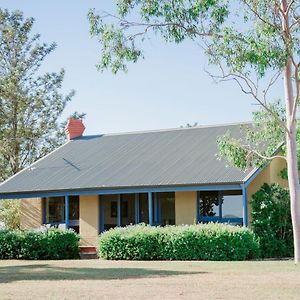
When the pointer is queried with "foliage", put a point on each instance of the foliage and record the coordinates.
(31, 103)
(51, 244)
(10, 213)
(77, 115)
(244, 35)
(175, 21)
(261, 138)
(272, 221)
(193, 242)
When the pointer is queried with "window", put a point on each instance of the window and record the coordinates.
(54, 210)
(221, 206)
(127, 209)
(73, 207)
(144, 211)
(111, 217)
(232, 205)
(110, 210)
(167, 208)
(209, 204)
(114, 209)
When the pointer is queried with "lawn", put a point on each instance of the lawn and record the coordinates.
(97, 279)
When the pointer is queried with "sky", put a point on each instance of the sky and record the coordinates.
(167, 89)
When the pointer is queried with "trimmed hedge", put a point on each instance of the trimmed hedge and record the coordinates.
(193, 242)
(52, 244)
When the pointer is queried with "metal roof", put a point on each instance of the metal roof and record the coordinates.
(174, 157)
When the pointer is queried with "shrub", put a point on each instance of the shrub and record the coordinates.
(193, 242)
(271, 221)
(10, 214)
(52, 244)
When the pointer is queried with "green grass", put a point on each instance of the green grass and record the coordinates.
(90, 279)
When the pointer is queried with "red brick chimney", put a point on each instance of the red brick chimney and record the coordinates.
(74, 128)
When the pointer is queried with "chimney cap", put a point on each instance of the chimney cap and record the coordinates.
(74, 128)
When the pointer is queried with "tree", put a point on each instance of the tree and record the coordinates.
(31, 103)
(251, 41)
(260, 139)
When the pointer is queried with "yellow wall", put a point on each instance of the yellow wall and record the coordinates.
(185, 207)
(275, 167)
(270, 174)
(88, 219)
(31, 213)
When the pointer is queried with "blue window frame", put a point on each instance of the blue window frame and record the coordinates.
(220, 206)
(54, 211)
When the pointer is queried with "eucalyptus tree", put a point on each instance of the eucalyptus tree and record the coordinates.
(253, 42)
(31, 102)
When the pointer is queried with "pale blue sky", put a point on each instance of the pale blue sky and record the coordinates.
(168, 89)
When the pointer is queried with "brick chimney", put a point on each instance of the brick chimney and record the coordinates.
(74, 128)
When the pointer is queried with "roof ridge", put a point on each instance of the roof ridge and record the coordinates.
(170, 129)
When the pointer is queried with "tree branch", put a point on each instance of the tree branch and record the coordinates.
(252, 90)
(289, 6)
(125, 24)
(255, 152)
(275, 26)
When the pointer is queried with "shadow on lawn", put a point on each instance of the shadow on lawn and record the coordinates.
(48, 272)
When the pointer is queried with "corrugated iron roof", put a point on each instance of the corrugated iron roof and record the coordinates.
(185, 156)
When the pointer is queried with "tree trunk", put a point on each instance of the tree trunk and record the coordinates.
(292, 160)
(294, 188)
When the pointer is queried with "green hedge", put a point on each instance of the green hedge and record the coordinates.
(52, 244)
(194, 242)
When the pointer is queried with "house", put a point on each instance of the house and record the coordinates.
(161, 177)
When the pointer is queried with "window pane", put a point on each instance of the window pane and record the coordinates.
(55, 209)
(232, 206)
(73, 207)
(144, 213)
(209, 204)
(114, 209)
(128, 209)
(167, 204)
(110, 206)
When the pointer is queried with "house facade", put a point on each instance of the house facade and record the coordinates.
(164, 177)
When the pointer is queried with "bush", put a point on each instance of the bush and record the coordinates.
(271, 221)
(52, 244)
(194, 242)
(10, 213)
